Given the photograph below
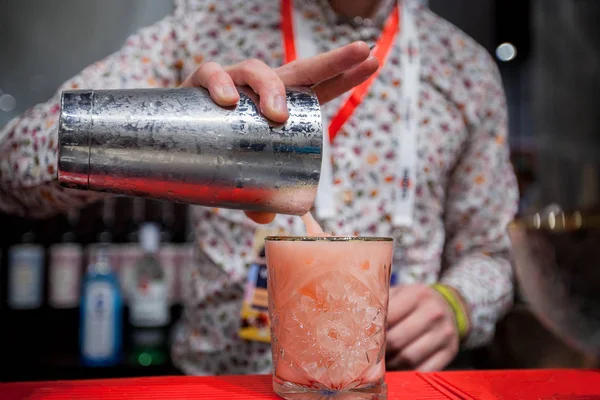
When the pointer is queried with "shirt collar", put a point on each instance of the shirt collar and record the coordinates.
(377, 20)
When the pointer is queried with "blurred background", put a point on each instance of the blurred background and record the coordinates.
(547, 52)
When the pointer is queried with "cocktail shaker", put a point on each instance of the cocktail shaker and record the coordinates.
(178, 145)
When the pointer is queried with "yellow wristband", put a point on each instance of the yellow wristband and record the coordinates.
(460, 314)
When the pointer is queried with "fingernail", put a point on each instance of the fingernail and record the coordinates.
(228, 91)
(279, 103)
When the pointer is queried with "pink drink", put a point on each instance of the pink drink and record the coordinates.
(312, 226)
(328, 299)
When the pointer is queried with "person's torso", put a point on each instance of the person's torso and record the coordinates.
(363, 153)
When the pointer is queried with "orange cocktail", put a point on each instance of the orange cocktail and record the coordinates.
(328, 301)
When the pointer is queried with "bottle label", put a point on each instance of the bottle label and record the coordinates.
(255, 324)
(149, 305)
(128, 256)
(65, 275)
(99, 322)
(26, 264)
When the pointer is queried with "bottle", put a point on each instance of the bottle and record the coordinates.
(26, 272)
(65, 269)
(168, 254)
(103, 237)
(149, 312)
(138, 214)
(167, 221)
(149, 306)
(129, 251)
(101, 314)
(179, 145)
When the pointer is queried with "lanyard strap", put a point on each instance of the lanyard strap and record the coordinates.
(299, 43)
(408, 126)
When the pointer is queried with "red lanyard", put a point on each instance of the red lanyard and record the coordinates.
(384, 44)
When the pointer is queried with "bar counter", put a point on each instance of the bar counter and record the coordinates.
(480, 385)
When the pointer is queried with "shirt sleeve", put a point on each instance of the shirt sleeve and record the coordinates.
(28, 143)
(482, 199)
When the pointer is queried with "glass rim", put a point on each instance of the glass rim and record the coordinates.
(329, 239)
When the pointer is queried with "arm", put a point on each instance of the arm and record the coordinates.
(28, 144)
(482, 200)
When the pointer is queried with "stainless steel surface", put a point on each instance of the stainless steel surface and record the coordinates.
(558, 270)
(178, 145)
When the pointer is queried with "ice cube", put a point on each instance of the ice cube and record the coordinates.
(333, 286)
(316, 369)
(336, 331)
(373, 315)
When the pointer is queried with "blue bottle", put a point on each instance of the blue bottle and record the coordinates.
(101, 314)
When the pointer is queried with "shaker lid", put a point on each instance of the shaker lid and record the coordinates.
(74, 130)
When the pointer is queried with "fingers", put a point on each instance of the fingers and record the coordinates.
(260, 218)
(408, 330)
(423, 348)
(402, 302)
(436, 362)
(442, 338)
(334, 87)
(421, 326)
(213, 77)
(266, 83)
(310, 71)
(332, 73)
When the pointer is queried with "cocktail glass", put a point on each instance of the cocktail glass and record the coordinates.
(328, 303)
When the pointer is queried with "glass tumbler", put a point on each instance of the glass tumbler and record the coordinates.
(328, 303)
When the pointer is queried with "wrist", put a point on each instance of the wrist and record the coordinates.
(458, 307)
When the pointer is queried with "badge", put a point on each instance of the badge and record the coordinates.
(255, 307)
(394, 279)
(255, 324)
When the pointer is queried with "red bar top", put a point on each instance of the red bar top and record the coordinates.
(479, 385)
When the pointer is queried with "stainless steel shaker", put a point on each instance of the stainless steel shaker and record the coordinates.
(178, 145)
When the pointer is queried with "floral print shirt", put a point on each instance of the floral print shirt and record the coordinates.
(466, 189)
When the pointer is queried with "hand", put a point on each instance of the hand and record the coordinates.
(330, 75)
(422, 332)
